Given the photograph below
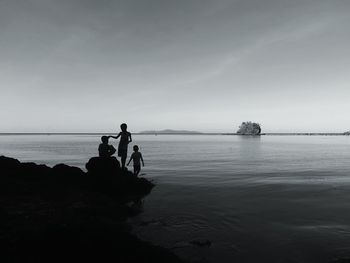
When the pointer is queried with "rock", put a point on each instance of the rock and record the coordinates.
(103, 166)
(104, 175)
(8, 164)
(201, 243)
(66, 170)
(63, 214)
(32, 171)
(68, 174)
(107, 175)
(341, 260)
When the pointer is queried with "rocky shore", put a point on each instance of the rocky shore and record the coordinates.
(63, 214)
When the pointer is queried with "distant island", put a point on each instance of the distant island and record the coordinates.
(169, 131)
(249, 128)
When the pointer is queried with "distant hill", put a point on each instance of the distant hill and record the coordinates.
(347, 133)
(169, 131)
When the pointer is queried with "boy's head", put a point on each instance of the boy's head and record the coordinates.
(136, 148)
(104, 139)
(123, 126)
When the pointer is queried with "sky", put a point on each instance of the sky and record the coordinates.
(205, 65)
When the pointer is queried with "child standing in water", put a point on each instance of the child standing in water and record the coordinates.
(125, 139)
(136, 156)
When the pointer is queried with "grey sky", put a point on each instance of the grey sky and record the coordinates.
(69, 65)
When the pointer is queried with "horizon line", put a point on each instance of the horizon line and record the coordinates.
(171, 133)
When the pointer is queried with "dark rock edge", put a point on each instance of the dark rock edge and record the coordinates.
(63, 214)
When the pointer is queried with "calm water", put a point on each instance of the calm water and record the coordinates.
(257, 199)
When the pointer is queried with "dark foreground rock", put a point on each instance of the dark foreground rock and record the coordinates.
(63, 214)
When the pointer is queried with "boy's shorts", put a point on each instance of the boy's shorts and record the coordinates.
(122, 152)
(137, 167)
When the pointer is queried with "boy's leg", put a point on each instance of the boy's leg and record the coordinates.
(122, 153)
(137, 169)
(123, 159)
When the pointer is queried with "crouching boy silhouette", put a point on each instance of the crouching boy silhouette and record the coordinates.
(104, 149)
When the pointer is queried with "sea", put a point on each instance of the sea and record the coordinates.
(226, 198)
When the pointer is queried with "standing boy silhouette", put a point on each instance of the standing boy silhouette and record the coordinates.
(136, 156)
(125, 139)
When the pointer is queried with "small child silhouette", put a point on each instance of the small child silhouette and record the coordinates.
(136, 156)
(104, 149)
(125, 139)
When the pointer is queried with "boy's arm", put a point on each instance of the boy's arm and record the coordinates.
(112, 150)
(114, 137)
(130, 140)
(143, 164)
(130, 159)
